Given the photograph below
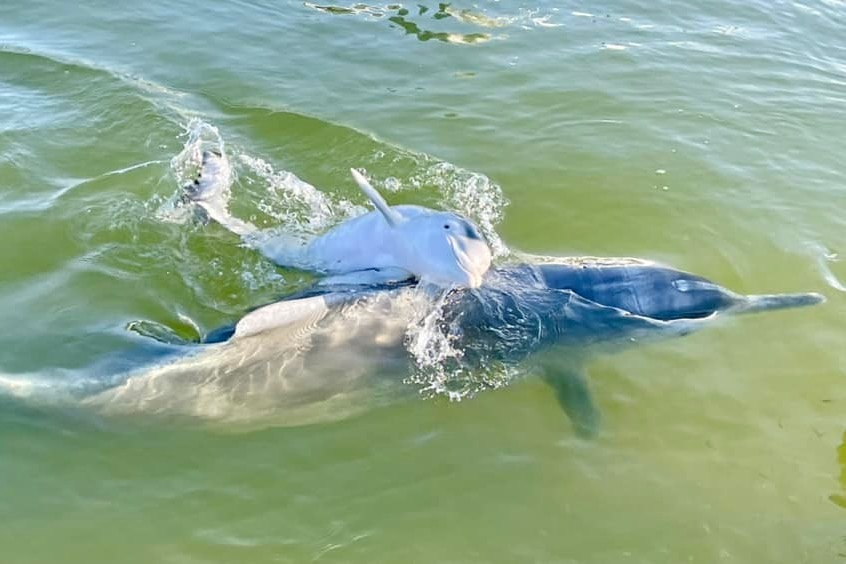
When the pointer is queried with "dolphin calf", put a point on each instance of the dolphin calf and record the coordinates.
(330, 352)
(390, 243)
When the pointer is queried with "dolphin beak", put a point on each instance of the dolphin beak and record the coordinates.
(473, 257)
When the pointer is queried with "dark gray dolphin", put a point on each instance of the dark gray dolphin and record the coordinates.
(332, 342)
(589, 305)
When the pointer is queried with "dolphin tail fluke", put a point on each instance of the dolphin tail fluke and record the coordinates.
(572, 391)
(210, 191)
(769, 302)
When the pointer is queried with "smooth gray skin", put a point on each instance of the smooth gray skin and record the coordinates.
(330, 352)
(582, 306)
(388, 244)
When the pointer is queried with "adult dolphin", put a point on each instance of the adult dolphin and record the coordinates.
(391, 243)
(331, 352)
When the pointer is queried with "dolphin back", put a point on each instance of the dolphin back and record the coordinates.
(641, 288)
(659, 292)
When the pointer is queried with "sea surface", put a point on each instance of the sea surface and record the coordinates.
(708, 135)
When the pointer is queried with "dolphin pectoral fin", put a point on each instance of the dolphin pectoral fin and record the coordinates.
(160, 333)
(573, 394)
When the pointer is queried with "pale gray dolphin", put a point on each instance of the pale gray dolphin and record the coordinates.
(388, 244)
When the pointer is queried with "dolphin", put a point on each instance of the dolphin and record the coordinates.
(377, 326)
(390, 243)
(330, 352)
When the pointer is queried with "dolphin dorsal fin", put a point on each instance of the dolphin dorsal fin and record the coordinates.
(391, 216)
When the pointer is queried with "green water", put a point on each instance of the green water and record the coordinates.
(707, 135)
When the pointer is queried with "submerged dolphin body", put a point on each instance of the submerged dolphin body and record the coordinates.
(391, 243)
(329, 353)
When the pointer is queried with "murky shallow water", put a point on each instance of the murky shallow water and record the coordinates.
(704, 135)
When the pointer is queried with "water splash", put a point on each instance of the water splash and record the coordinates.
(296, 205)
(442, 363)
(432, 349)
(200, 136)
(472, 194)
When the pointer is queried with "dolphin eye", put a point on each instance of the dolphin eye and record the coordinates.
(446, 226)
